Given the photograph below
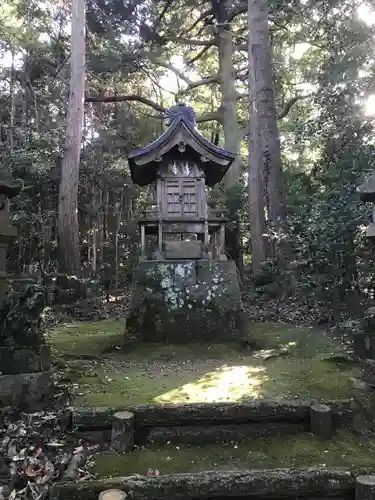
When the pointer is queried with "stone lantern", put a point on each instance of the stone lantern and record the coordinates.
(367, 194)
(364, 340)
(9, 188)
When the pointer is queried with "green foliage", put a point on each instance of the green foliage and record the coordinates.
(327, 144)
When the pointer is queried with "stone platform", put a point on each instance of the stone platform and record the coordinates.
(185, 300)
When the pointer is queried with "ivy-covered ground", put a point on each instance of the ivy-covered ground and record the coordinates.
(289, 363)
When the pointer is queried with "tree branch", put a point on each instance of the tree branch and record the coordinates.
(124, 98)
(191, 42)
(197, 21)
(207, 117)
(289, 104)
(204, 81)
(198, 56)
(283, 113)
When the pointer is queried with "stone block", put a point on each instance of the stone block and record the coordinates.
(25, 360)
(368, 322)
(369, 371)
(363, 345)
(24, 388)
(217, 272)
(183, 250)
(171, 302)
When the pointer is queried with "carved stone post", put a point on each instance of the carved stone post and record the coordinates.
(9, 188)
(364, 341)
(367, 194)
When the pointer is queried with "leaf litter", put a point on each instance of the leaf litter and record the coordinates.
(36, 451)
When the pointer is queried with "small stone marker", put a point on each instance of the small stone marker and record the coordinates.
(122, 438)
(369, 371)
(365, 488)
(112, 495)
(321, 420)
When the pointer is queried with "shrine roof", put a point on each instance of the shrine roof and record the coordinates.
(180, 140)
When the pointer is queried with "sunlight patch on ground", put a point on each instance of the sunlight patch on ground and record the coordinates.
(227, 383)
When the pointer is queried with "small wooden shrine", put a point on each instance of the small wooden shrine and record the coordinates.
(184, 288)
(180, 164)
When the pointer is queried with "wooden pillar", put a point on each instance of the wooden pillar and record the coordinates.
(160, 236)
(321, 420)
(122, 437)
(222, 239)
(205, 241)
(365, 488)
(213, 246)
(143, 240)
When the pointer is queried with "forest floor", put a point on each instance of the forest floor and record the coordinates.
(290, 363)
(302, 450)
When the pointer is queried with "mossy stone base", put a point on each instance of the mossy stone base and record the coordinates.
(184, 301)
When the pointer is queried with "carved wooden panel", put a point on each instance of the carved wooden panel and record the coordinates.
(181, 168)
(189, 198)
(173, 193)
(181, 198)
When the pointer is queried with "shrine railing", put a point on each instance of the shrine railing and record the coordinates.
(150, 211)
(217, 213)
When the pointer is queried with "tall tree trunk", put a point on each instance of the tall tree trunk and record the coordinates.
(12, 105)
(265, 109)
(232, 134)
(256, 193)
(68, 194)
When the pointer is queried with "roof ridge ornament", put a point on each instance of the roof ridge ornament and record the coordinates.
(182, 112)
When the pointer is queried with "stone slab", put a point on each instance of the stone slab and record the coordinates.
(183, 249)
(310, 482)
(24, 388)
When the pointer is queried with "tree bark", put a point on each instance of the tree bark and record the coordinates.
(232, 133)
(256, 192)
(231, 128)
(68, 193)
(264, 105)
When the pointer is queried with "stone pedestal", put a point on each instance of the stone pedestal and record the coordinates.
(7, 232)
(24, 357)
(185, 300)
(25, 388)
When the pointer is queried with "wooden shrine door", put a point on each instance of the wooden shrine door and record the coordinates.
(181, 198)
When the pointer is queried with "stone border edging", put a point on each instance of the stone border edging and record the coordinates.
(169, 415)
(267, 483)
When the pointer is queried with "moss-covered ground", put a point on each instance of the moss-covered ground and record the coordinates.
(289, 362)
(344, 450)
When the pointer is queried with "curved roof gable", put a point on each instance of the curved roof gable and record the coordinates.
(181, 138)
